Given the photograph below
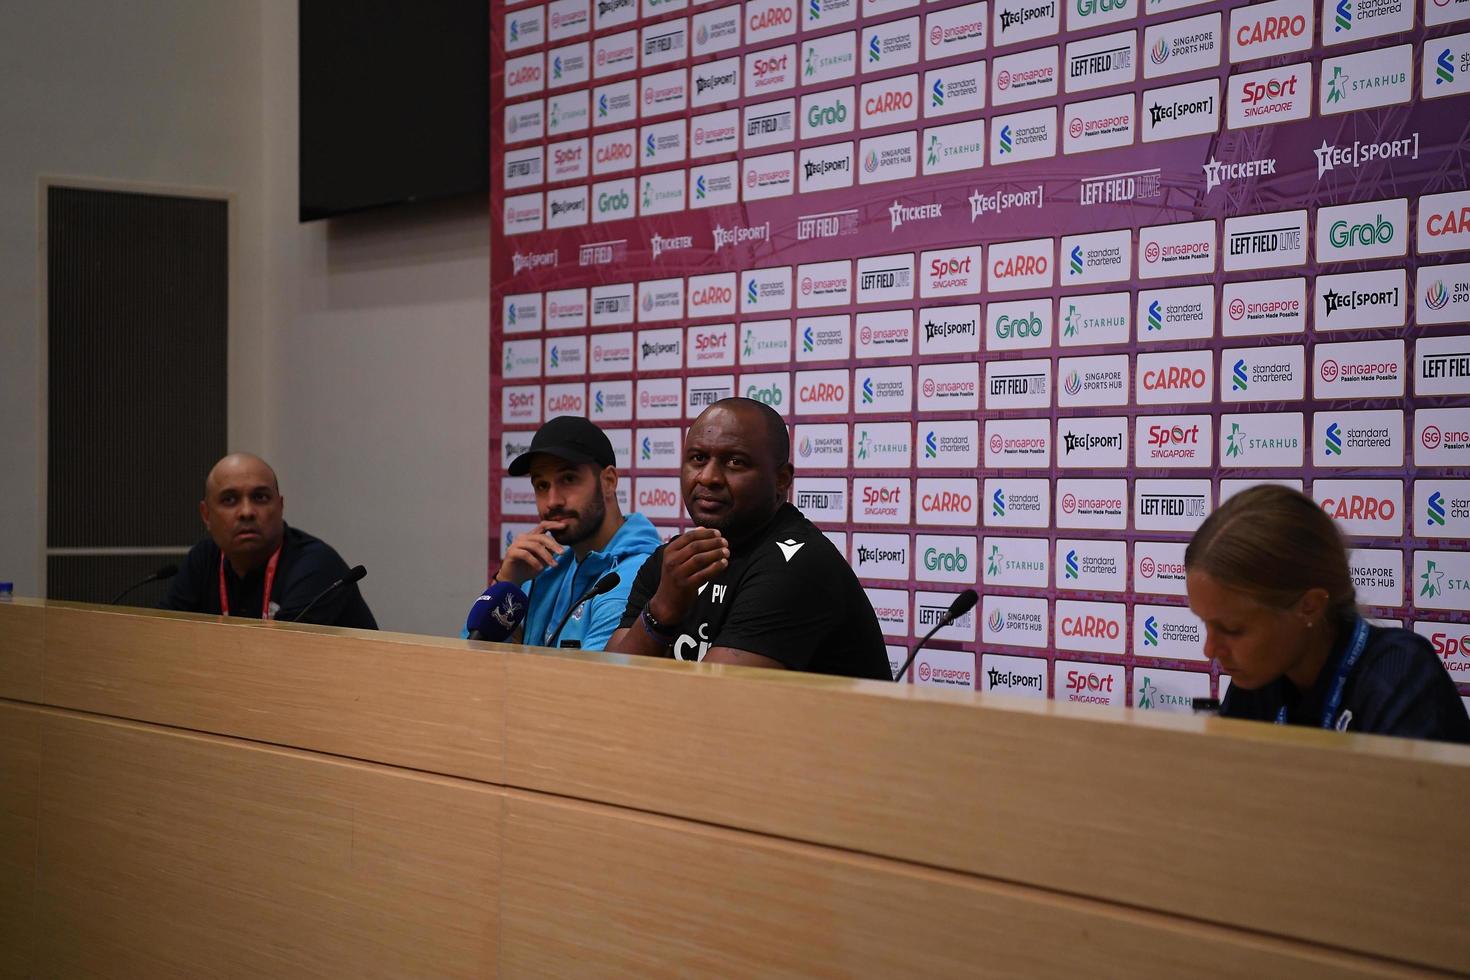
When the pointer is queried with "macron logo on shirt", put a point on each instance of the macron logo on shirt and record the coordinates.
(790, 547)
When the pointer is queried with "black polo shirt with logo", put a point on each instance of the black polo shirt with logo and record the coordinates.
(787, 594)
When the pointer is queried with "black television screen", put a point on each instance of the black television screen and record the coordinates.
(395, 102)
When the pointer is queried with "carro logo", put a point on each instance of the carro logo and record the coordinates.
(657, 498)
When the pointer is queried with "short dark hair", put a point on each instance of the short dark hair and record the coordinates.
(776, 434)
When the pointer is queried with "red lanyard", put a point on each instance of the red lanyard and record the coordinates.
(265, 597)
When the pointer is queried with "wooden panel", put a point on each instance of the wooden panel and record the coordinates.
(22, 646)
(166, 854)
(408, 701)
(1295, 832)
(20, 760)
(593, 890)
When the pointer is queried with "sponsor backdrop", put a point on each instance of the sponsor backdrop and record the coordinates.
(1037, 284)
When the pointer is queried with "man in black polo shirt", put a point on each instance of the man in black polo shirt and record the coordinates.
(756, 583)
(253, 564)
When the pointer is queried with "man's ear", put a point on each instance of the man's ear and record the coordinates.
(204, 512)
(609, 478)
(784, 475)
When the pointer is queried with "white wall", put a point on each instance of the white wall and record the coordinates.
(359, 352)
(165, 92)
(378, 378)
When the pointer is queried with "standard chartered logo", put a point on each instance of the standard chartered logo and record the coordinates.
(998, 502)
(1071, 564)
(1435, 514)
(1151, 632)
(1334, 440)
(931, 446)
(1238, 379)
(936, 94)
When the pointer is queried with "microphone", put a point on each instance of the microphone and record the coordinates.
(962, 604)
(497, 612)
(356, 574)
(605, 584)
(161, 573)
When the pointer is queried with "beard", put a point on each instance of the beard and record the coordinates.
(585, 525)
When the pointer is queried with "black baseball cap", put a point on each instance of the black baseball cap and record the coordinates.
(568, 437)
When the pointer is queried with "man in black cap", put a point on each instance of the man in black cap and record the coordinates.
(582, 535)
(755, 583)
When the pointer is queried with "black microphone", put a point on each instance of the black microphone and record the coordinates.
(162, 572)
(356, 574)
(962, 604)
(605, 584)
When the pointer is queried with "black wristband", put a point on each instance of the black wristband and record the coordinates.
(657, 630)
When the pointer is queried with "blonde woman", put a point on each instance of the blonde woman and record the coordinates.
(1268, 575)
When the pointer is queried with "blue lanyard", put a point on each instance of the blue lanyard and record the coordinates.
(1339, 683)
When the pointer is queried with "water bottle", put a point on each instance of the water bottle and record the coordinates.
(7, 591)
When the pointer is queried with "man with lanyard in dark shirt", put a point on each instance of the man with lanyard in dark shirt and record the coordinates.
(756, 583)
(253, 564)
